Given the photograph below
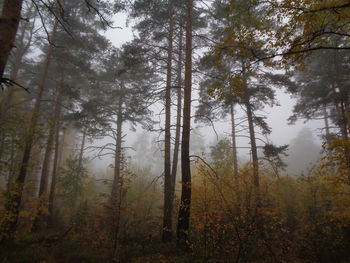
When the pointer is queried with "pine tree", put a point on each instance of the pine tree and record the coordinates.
(185, 203)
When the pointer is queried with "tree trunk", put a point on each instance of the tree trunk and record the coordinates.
(116, 187)
(14, 74)
(9, 21)
(56, 162)
(178, 118)
(328, 137)
(254, 153)
(44, 180)
(234, 145)
(345, 137)
(6, 102)
(118, 153)
(48, 152)
(15, 198)
(326, 122)
(185, 204)
(167, 210)
(11, 163)
(342, 112)
(82, 149)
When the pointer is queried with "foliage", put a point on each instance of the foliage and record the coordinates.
(71, 180)
(296, 220)
(254, 215)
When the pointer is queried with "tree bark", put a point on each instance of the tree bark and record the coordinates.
(116, 186)
(6, 102)
(56, 162)
(345, 137)
(254, 153)
(341, 106)
(9, 21)
(48, 152)
(233, 137)
(185, 204)
(328, 137)
(167, 232)
(15, 198)
(44, 179)
(326, 122)
(178, 118)
(82, 149)
(118, 153)
(14, 74)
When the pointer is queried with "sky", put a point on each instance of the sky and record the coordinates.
(282, 132)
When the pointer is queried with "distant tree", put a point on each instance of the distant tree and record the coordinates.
(71, 180)
(322, 93)
(303, 153)
(221, 155)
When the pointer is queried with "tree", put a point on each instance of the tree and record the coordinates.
(179, 88)
(73, 60)
(232, 76)
(8, 225)
(9, 21)
(8, 111)
(303, 153)
(126, 80)
(162, 39)
(167, 217)
(185, 203)
(58, 30)
(211, 109)
(71, 180)
(11, 16)
(304, 26)
(325, 95)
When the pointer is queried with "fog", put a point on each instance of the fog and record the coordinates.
(174, 131)
(277, 117)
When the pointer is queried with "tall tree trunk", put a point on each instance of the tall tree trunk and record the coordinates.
(255, 160)
(328, 136)
(56, 163)
(233, 137)
(342, 111)
(6, 102)
(82, 149)
(167, 210)
(14, 74)
(49, 147)
(178, 117)
(9, 21)
(345, 137)
(118, 153)
(185, 204)
(15, 198)
(44, 179)
(347, 111)
(326, 122)
(116, 186)
(11, 163)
